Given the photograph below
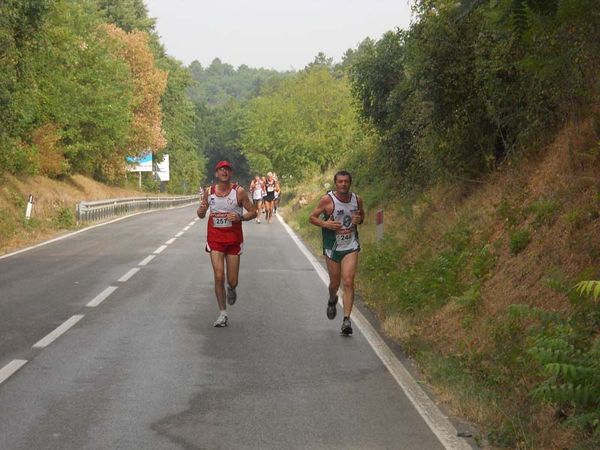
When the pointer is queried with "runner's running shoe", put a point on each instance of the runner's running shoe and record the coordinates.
(231, 295)
(346, 327)
(331, 308)
(221, 321)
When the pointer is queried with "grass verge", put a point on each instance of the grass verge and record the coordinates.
(466, 278)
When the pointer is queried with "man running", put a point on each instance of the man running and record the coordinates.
(256, 188)
(270, 187)
(225, 240)
(277, 194)
(341, 211)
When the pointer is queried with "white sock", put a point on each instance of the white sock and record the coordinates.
(223, 313)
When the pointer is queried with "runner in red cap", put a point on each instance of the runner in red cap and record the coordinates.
(225, 240)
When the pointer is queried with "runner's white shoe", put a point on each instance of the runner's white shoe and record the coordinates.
(221, 321)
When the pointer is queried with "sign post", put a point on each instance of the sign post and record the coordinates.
(379, 224)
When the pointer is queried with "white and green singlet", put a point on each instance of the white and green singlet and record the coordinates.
(345, 240)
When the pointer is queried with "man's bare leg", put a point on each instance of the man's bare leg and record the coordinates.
(348, 270)
(233, 269)
(218, 262)
(334, 270)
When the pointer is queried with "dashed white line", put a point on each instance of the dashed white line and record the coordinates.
(179, 234)
(101, 297)
(191, 223)
(11, 368)
(146, 260)
(170, 241)
(51, 337)
(159, 249)
(186, 228)
(128, 275)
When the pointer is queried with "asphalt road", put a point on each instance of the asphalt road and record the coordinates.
(139, 365)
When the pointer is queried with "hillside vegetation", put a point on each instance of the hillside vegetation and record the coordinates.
(86, 84)
(477, 282)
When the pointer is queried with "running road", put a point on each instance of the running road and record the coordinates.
(106, 341)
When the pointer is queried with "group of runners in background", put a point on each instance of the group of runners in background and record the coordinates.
(265, 193)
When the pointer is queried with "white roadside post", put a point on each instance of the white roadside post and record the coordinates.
(379, 224)
(29, 207)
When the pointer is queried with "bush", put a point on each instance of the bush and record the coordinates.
(544, 211)
(65, 218)
(519, 240)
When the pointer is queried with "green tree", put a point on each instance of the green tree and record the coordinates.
(21, 33)
(186, 159)
(85, 90)
(302, 124)
(129, 15)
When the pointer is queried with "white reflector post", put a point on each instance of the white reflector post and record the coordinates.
(379, 224)
(29, 207)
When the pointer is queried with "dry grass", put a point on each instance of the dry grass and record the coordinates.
(50, 197)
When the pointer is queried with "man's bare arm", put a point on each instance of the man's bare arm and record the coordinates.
(203, 204)
(359, 216)
(321, 208)
(245, 201)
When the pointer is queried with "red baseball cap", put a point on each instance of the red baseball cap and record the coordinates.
(223, 164)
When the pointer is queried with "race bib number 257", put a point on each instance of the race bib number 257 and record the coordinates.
(220, 221)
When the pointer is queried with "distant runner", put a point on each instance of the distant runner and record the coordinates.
(271, 186)
(225, 240)
(277, 194)
(264, 194)
(256, 188)
(341, 211)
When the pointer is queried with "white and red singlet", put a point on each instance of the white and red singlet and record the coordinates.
(220, 229)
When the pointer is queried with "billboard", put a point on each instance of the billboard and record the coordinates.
(162, 169)
(141, 163)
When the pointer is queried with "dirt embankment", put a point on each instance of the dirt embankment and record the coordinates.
(53, 208)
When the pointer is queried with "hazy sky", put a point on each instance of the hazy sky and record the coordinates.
(278, 34)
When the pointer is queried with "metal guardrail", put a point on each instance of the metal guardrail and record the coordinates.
(105, 209)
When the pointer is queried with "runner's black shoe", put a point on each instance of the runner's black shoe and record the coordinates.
(346, 327)
(231, 295)
(331, 308)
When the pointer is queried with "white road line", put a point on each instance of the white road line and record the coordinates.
(191, 223)
(179, 234)
(146, 260)
(159, 249)
(51, 337)
(101, 296)
(431, 414)
(186, 228)
(170, 241)
(60, 238)
(128, 275)
(11, 368)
